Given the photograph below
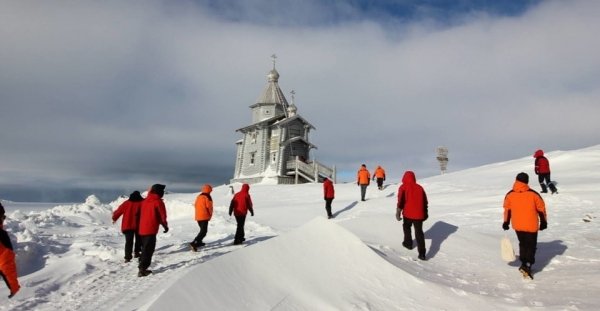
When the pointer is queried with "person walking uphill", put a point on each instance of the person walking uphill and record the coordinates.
(152, 214)
(130, 210)
(240, 204)
(8, 266)
(379, 174)
(204, 211)
(329, 195)
(542, 169)
(524, 206)
(412, 203)
(363, 178)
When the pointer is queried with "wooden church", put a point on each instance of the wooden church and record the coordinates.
(275, 148)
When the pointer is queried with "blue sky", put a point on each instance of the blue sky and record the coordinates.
(108, 97)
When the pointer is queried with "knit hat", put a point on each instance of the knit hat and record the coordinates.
(523, 177)
(135, 196)
(158, 189)
(2, 211)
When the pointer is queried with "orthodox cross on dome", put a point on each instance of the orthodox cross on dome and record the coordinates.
(274, 57)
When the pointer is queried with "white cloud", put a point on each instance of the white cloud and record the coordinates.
(171, 83)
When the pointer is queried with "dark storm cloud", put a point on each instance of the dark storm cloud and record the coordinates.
(114, 96)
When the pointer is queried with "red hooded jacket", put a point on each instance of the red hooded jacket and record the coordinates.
(542, 165)
(131, 215)
(152, 214)
(241, 202)
(328, 191)
(8, 265)
(412, 198)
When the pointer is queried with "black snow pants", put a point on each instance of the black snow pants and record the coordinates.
(527, 246)
(239, 231)
(203, 224)
(130, 245)
(148, 246)
(419, 235)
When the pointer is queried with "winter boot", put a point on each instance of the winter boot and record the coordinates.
(422, 257)
(552, 188)
(525, 270)
(193, 247)
(407, 244)
(143, 273)
(544, 189)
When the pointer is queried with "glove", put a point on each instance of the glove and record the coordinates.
(426, 216)
(543, 225)
(505, 225)
(357, 184)
(166, 229)
(252, 214)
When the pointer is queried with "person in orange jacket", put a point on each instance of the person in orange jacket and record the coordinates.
(379, 174)
(130, 210)
(204, 211)
(527, 210)
(363, 179)
(329, 195)
(8, 266)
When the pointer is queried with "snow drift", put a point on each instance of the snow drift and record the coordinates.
(319, 266)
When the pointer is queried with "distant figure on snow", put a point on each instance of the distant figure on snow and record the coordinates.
(8, 266)
(239, 206)
(363, 179)
(379, 174)
(130, 210)
(329, 195)
(542, 169)
(524, 207)
(204, 211)
(152, 214)
(412, 203)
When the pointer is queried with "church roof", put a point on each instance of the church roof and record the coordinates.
(298, 138)
(260, 124)
(296, 117)
(272, 93)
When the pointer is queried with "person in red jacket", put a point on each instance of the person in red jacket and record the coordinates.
(329, 194)
(8, 266)
(363, 179)
(542, 169)
(524, 207)
(240, 204)
(379, 174)
(130, 210)
(412, 203)
(152, 215)
(203, 214)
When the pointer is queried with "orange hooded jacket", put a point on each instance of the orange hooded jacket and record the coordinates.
(363, 177)
(204, 204)
(379, 172)
(523, 207)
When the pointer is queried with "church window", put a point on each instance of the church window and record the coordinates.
(252, 158)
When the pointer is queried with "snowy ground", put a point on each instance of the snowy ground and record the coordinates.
(70, 256)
